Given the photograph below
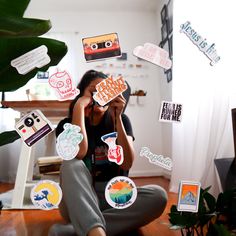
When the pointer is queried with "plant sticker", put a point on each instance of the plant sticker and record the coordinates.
(35, 58)
(67, 144)
(102, 46)
(189, 193)
(46, 195)
(115, 152)
(120, 192)
(160, 160)
(63, 85)
(207, 48)
(170, 112)
(108, 89)
(154, 54)
(33, 127)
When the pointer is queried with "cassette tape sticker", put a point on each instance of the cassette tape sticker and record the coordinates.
(46, 195)
(63, 85)
(33, 127)
(154, 54)
(68, 141)
(115, 152)
(101, 47)
(108, 89)
(35, 58)
(189, 193)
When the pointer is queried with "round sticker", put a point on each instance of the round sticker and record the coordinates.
(46, 195)
(120, 192)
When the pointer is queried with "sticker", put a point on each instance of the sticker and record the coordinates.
(46, 195)
(63, 86)
(189, 193)
(33, 126)
(170, 112)
(154, 54)
(207, 48)
(115, 152)
(41, 75)
(108, 89)
(102, 46)
(120, 192)
(36, 58)
(68, 141)
(159, 160)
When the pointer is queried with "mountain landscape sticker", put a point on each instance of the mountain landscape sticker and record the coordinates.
(189, 193)
(120, 192)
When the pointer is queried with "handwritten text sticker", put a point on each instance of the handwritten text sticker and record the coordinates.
(204, 46)
(120, 192)
(189, 193)
(108, 89)
(115, 152)
(46, 195)
(68, 141)
(63, 85)
(154, 54)
(159, 160)
(35, 58)
(170, 112)
(33, 126)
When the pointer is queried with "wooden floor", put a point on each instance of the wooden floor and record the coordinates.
(37, 222)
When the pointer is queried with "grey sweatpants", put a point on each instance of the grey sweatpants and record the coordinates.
(85, 207)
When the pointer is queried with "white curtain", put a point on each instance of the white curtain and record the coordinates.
(205, 92)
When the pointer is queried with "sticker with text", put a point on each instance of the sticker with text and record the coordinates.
(170, 112)
(108, 89)
(154, 54)
(35, 58)
(63, 85)
(189, 193)
(46, 195)
(102, 46)
(160, 160)
(115, 152)
(33, 127)
(67, 144)
(207, 48)
(120, 192)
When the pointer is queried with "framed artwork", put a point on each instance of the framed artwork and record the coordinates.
(164, 31)
(164, 14)
(170, 43)
(169, 75)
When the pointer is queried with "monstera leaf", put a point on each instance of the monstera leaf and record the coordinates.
(19, 35)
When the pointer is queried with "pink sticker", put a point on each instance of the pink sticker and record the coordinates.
(108, 89)
(115, 152)
(63, 86)
(154, 54)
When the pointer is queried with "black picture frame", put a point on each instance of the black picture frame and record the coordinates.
(164, 13)
(170, 16)
(169, 75)
(164, 31)
(170, 42)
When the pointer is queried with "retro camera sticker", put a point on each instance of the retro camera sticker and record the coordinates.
(101, 47)
(33, 126)
(35, 58)
(68, 141)
(63, 85)
(46, 195)
(189, 193)
(115, 152)
(108, 89)
(154, 54)
(120, 192)
(170, 112)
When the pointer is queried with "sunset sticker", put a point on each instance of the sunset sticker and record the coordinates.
(120, 192)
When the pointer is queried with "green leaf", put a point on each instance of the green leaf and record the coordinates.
(23, 27)
(211, 201)
(10, 49)
(13, 7)
(218, 230)
(8, 137)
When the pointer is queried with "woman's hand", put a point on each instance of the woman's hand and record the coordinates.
(117, 106)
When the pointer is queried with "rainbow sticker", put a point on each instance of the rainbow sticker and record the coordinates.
(120, 192)
(46, 195)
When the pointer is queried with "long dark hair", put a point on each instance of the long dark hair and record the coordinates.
(86, 79)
